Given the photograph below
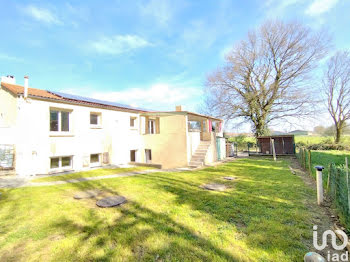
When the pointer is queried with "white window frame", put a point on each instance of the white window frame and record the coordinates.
(99, 120)
(61, 168)
(60, 132)
(96, 164)
(153, 121)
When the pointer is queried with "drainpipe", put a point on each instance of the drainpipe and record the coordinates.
(26, 80)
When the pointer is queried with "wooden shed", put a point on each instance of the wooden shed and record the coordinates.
(284, 144)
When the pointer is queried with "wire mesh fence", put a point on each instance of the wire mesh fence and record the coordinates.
(335, 182)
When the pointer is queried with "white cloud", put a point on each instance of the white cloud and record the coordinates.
(160, 11)
(118, 44)
(10, 58)
(42, 14)
(319, 7)
(159, 96)
(278, 8)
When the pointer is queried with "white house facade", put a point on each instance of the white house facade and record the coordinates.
(53, 132)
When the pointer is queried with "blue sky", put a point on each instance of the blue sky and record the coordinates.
(153, 54)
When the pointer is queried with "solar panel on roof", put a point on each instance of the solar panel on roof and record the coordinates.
(96, 101)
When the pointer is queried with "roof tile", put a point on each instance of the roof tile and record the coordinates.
(18, 90)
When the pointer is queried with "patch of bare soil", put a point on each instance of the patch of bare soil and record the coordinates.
(323, 216)
(16, 253)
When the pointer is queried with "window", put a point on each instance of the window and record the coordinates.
(59, 121)
(95, 119)
(66, 161)
(148, 154)
(194, 125)
(133, 155)
(152, 126)
(61, 163)
(55, 163)
(132, 121)
(94, 158)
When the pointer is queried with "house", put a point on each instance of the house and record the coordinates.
(54, 132)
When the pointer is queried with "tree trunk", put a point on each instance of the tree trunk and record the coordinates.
(338, 134)
(260, 128)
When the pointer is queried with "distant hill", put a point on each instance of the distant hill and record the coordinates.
(300, 133)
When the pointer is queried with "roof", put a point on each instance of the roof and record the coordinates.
(92, 101)
(18, 90)
(272, 136)
(63, 97)
(181, 113)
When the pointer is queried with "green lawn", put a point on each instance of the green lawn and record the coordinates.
(309, 140)
(168, 217)
(91, 173)
(325, 157)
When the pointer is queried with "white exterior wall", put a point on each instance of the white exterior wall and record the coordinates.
(194, 141)
(36, 144)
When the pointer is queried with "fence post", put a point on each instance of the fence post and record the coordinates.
(273, 149)
(301, 156)
(309, 158)
(329, 177)
(319, 184)
(347, 181)
(305, 151)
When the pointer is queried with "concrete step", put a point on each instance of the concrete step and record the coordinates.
(202, 148)
(201, 151)
(196, 163)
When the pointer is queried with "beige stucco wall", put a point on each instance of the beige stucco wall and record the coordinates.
(169, 147)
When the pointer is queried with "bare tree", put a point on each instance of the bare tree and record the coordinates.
(264, 78)
(336, 85)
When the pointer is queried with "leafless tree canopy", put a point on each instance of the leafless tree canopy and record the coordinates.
(264, 76)
(336, 85)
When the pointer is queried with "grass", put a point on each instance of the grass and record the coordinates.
(309, 140)
(262, 217)
(90, 173)
(325, 158)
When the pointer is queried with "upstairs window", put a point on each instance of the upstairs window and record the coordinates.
(95, 119)
(132, 121)
(152, 126)
(59, 121)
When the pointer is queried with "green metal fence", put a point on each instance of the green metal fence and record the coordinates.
(335, 182)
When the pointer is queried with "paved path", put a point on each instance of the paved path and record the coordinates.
(15, 182)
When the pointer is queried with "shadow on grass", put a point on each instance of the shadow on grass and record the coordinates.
(270, 219)
(131, 235)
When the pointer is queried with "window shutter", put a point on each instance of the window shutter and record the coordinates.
(157, 125)
(143, 125)
(147, 125)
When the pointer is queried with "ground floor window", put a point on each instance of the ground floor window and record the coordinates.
(148, 154)
(133, 155)
(61, 163)
(95, 159)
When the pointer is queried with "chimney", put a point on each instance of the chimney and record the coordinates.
(8, 79)
(178, 108)
(25, 93)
